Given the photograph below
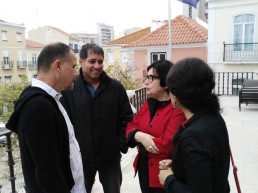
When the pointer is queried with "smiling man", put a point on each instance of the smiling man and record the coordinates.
(100, 110)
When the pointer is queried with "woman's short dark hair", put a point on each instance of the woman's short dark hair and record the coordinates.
(191, 80)
(161, 68)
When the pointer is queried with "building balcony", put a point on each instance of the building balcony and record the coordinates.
(240, 53)
(32, 65)
(21, 64)
(76, 50)
(7, 65)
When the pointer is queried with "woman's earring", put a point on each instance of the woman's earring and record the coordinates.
(175, 105)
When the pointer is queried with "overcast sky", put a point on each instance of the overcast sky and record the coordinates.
(83, 15)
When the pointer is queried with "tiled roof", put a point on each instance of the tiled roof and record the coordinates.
(32, 44)
(184, 31)
(131, 37)
(71, 37)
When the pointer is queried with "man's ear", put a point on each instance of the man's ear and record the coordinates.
(80, 61)
(57, 65)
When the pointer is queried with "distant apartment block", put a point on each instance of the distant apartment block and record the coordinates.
(105, 32)
(49, 34)
(201, 12)
(131, 30)
(87, 37)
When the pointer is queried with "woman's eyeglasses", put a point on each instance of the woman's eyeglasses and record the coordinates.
(150, 78)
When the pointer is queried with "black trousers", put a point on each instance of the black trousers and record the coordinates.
(110, 176)
(143, 174)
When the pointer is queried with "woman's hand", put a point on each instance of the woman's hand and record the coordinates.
(164, 164)
(147, 141)
(163, 174)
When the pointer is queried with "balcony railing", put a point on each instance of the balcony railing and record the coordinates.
(6, 65)
(240, 52)
(32, 65)
(21, 64)
(76, 50)
(8, 145)
(229, 83)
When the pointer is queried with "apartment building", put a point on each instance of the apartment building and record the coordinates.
(49, 34)
(105, 32)
(12, 52)
(87, 37)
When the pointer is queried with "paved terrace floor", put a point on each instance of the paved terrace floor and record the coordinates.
(243, 134)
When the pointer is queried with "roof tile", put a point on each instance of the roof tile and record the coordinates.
(33, 44)
(184, 31)
(131, 37)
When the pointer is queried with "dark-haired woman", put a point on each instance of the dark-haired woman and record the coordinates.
(201, 160)
(153, 128)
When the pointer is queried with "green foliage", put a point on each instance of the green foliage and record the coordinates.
(124, 74)
(9, 93)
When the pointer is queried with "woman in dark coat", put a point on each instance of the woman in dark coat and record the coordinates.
(201, 160)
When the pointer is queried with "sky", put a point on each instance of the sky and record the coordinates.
(83, 15)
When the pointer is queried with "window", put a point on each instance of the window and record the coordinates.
(20, 62)
(4, 35)
(6, 60)
(123, 57)
(190, 11)
(34, 60)
(243, 32)
(110, 57)
(158, 56)
(206, 16)
(8, 79)
(19, 37)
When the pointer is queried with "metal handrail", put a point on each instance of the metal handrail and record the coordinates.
(10, 162)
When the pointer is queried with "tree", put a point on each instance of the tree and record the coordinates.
(9, 93)
(124, 74)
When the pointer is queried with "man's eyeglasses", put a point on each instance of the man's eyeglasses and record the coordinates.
(150, 78)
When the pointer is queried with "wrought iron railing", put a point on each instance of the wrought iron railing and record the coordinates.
(32, 65)
(21, 64)
(8, 145)
(240, 52)
(139, 97)
(7, 65)
(229, 83)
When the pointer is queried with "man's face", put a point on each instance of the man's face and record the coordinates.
(69, 72)
(92, 66)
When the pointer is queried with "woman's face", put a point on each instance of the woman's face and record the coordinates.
(152, 83)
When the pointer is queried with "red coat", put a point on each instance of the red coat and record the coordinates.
(163, 127)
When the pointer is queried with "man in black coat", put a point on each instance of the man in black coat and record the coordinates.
(100, 110)
(40, 125)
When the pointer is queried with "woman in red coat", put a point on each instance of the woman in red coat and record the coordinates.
(153, 128)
